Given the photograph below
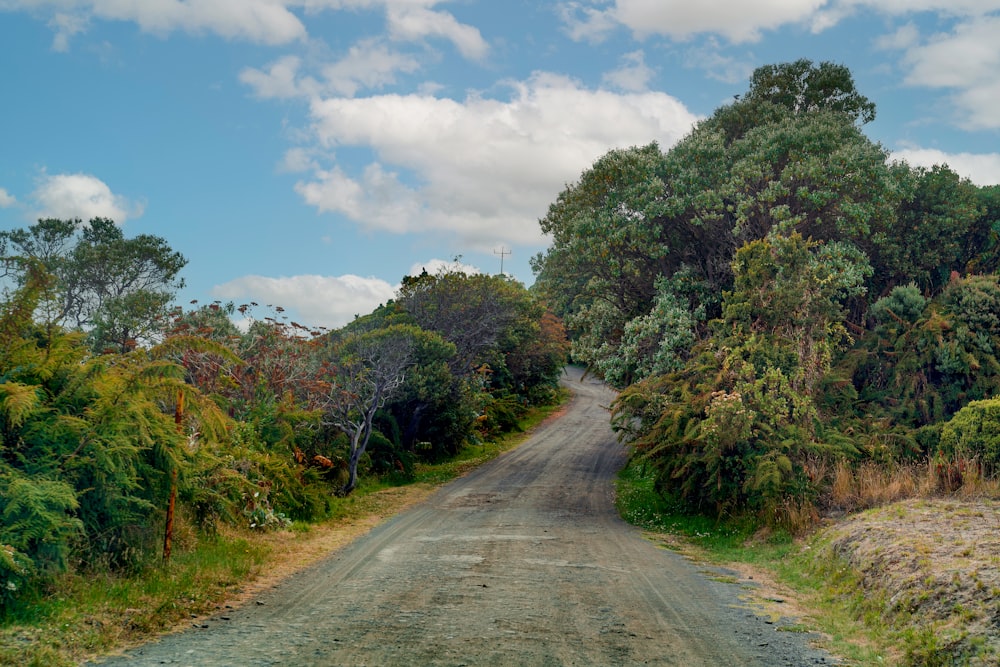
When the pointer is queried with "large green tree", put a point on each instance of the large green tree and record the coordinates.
(115, 288)
(789, 153)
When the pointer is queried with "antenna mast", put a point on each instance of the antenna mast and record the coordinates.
(503, 252)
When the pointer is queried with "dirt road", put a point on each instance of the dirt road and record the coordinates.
(522, 562)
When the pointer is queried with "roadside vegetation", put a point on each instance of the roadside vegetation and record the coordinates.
(912, 582)
(801, 328)
(84, 615)
(146, 450)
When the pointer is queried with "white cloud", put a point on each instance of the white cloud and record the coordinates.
(65, 27)
(368, 64)
(263, 21)
(737, 20)
(905, 37)
(315, 301)
(966, 60)
(280, 80)
(411, 23)
(586, 24)
(843, 8)
(488, 167)
(6, 199)
(980, 168)
(377, 198)
(708, 57)
(297, 160)
(634, 75)
(81, 196)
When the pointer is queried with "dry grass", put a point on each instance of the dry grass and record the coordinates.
(868, 485)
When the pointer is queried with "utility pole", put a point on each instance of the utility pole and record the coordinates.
(503, 253)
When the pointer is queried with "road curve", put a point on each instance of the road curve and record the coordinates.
(522, 562)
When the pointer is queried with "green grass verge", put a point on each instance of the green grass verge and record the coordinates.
(89, 613)
(93, 613)
(849, 617)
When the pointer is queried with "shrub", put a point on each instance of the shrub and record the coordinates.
(974, 431)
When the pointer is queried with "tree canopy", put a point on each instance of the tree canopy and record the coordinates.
(117, 289)
(774, 291)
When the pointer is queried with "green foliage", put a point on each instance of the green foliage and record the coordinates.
(930, 358)
(116, 289)
(654, 343)
(17, 572)
(784, 296)
(36, 519)
(931, 235)
(504, 348)
(803, 88)
(974, 433)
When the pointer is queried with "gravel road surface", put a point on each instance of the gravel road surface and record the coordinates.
(522, 562)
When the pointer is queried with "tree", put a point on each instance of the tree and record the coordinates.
(88, 444)
(931, 234)
(607, 248)
(802, 87)
(363, 373)
(789, 154)
(734, 428)
(115, 288)
(473, 312)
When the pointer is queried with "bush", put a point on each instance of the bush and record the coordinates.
(16, 574)
(974, 432)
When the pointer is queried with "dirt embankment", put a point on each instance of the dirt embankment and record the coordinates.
(934, 565)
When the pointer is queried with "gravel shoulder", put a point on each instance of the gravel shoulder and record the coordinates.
(522, 562)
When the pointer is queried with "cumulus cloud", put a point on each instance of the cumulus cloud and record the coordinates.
(413, 23)
(6, 199)
(980, 168)
(488, 167)
(279, 80)
(634, 75)
(315, 301)
(680, 19)
(736, 20)
(81, 196)
(369, 64)
(269, 22)
(262, 21)
(966, 60)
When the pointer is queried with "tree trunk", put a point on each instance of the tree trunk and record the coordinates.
(352, 466)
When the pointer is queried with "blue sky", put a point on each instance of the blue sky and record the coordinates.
(310, 153)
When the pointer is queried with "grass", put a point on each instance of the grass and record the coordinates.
(83, 615)
(822, 583)
(907, 576)
(89, 613)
